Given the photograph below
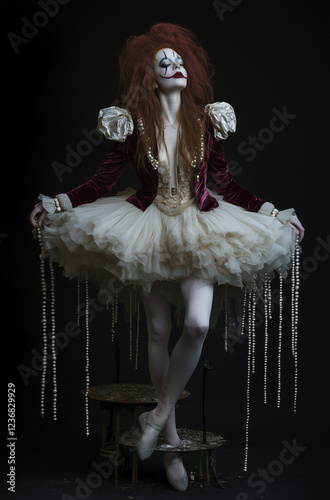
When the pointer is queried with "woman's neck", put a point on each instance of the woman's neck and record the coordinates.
(170, 104)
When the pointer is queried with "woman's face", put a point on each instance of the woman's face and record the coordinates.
(170, 73)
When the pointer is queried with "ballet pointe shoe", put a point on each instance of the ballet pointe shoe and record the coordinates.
(179, 484)
(144, 420)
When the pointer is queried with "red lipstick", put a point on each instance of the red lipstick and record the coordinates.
(178, 74)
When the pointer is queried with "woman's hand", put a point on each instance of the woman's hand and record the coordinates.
(296, 225)
(37, 215)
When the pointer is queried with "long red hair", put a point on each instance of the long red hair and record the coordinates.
(137, 82)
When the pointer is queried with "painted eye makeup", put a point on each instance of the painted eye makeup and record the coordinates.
(166, 65)
(166, 62)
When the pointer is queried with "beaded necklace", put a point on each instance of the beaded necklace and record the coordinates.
(153, 161)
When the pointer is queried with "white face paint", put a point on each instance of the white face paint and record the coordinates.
(170, 72)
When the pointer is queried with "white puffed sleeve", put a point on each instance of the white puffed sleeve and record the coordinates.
(222, 116)
(115, 123)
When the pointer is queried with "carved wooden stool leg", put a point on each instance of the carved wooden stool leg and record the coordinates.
(207, 453)
(117, 429)
(200, 465)
(134, 454)
(134, 467)
(104, 427)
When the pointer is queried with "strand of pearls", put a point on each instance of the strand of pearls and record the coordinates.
(226, 317)
(43, 322)
(279, 351)
(154, 162)
(114, 310)
(268, 315)
(249, 303)
(253, 331)
(248, 379)
(78, 301)
(87, 354)
(195, 162)
(294, 313)
(293, 300)
(146, 141)
(53, 336)
(130, 325)
(137, 332)
(243, 312)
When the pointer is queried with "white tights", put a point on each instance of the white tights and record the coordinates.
(170, 375)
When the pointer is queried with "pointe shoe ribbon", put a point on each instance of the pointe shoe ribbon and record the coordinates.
(144, 420)
(181, 483)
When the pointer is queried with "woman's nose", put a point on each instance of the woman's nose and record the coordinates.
(176, 65)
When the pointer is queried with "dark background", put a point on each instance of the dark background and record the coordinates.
(268, 55)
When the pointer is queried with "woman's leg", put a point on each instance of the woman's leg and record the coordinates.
(198, 297)
(158, 315)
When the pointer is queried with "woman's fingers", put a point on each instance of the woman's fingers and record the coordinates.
(37, 215)
(296, 225)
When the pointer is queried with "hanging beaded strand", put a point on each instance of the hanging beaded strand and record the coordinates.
(146, 141)
(130, 324)
(153, 161)
(195, 162)
(248, 379)
(253, 326)
(279, 351)
(114, 311)
(53, 337)
(43, 322)
(294, 307)
(87, 354)
(226, 318)
(137, 309)
(267, 298)
(78, 301)
(243, 311)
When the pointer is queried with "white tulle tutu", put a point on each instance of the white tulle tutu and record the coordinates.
(112, 240)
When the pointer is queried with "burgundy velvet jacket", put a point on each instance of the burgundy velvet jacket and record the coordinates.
(214, 162)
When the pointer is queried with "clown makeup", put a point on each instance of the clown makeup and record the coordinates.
(170, 73)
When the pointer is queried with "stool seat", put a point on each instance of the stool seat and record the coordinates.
(191, 440)
(126, 394)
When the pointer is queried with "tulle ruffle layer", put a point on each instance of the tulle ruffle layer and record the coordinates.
(112, 240)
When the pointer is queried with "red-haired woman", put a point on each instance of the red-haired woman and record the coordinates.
(173, 239)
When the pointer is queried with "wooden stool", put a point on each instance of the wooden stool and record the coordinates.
(115, 397)
(191, 440)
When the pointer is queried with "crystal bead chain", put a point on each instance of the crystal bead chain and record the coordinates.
(268, 298)
(248, 379)
(243, 312)
(293, 296)
(137, 333)
(294, 307)
(130, 324)
(226, 318)
(43, 322)
(53, 337)
(78, 301)
(87, 354)
(279, 351)
(114, 311)
(253, 329)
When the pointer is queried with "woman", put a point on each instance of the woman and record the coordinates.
(172, 235)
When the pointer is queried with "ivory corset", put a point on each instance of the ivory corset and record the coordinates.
(170, 200)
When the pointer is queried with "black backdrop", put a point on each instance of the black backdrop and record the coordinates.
(270, 58)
